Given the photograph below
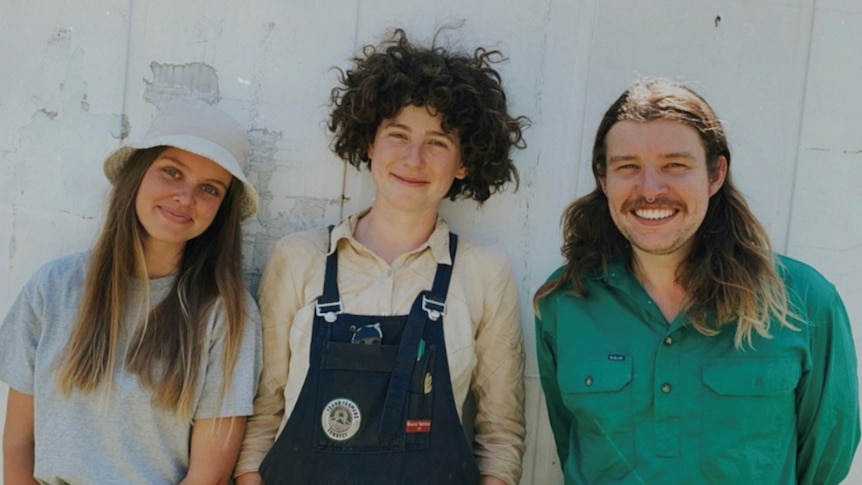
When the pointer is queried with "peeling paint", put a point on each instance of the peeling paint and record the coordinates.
(50, 114)
(193, 80)
(125, 128)
(263, 145)
(58, 150)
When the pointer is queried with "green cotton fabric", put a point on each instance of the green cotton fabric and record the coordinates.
(635, 400)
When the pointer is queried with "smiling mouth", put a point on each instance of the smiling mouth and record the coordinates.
(408, 180)
(174, 216)
(655, 214)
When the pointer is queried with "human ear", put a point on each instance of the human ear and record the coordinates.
(461, 173)
(718, 175)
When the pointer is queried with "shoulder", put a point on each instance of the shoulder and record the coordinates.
(560, 291)
(251, 313)
(556, 274)
(64, 271)
(311, 240)
(68, 264)
(299, 248)
(548, 302)
(475, 253)
(482, 274)
(294, 259)
(802, 278)
(807, 289)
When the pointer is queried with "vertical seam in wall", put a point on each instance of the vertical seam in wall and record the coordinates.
(588, 10)
(812, 13)
(346, 166)
(129, 29)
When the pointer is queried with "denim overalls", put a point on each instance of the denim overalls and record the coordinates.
(377, 405)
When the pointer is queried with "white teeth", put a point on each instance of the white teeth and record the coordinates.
(654, 214)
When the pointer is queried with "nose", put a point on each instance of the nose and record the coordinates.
(184, 194)
(652, 184)
(413, 156)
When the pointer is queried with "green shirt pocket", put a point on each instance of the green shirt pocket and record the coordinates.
(597, 390)
(748, 417)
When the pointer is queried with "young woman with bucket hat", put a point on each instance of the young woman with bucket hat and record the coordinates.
(137, 361)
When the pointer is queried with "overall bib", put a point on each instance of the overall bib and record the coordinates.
(377, 405)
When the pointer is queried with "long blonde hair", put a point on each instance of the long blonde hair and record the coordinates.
(165, 351)
(730, 274)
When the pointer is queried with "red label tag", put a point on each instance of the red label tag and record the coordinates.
(418, 425)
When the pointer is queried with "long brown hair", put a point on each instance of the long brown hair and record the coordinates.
(165, 351)
(730, 271)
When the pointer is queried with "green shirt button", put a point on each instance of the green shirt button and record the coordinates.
(588, 381)
(665, 388)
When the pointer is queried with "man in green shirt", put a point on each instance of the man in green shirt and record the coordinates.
(674, 346)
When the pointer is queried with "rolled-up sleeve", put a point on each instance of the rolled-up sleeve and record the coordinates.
(278, 302)
(498, 383)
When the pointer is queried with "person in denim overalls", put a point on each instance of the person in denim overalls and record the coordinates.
(377, 328)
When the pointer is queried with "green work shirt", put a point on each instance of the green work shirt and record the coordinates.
(635, 400)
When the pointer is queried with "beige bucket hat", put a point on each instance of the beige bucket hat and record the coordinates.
(199, 128)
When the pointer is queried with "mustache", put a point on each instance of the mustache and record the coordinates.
(643, 203)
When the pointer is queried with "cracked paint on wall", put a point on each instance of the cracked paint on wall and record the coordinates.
(194, 80)
(62, 145)
(279, 213)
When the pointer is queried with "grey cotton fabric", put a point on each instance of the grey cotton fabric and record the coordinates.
(116, 435)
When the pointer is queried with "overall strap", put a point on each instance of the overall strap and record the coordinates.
(428, 305)
(329, 304)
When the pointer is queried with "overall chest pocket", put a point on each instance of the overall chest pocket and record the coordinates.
(749, 416)
(598, 392)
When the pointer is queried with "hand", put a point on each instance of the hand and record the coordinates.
(492, 480)
(250, 478)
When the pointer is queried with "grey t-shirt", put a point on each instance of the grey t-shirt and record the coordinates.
(116, 435)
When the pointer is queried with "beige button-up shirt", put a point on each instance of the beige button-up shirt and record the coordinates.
(482, 329)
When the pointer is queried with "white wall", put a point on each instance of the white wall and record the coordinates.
(783, 74)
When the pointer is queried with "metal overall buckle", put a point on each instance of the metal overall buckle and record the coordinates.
(331, 315)
(435, 309)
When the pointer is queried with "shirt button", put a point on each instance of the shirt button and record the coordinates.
(668, 340)
(665, 388)
(588, 381)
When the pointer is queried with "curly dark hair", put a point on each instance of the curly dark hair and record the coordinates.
(464, 89)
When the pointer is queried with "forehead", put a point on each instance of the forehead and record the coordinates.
(423, 118)
(630, 138)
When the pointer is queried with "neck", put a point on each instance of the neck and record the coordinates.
(391, 235)
(162, 259)
(657, 274)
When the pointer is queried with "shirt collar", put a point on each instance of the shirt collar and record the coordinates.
(438, 241)
(618, 275)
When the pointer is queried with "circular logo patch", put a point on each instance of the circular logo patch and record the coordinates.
(340, 419)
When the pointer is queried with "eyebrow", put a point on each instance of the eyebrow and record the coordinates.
(621, 158)
(683, 154)
(395, 124)
(665, 156)
(211, 180)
